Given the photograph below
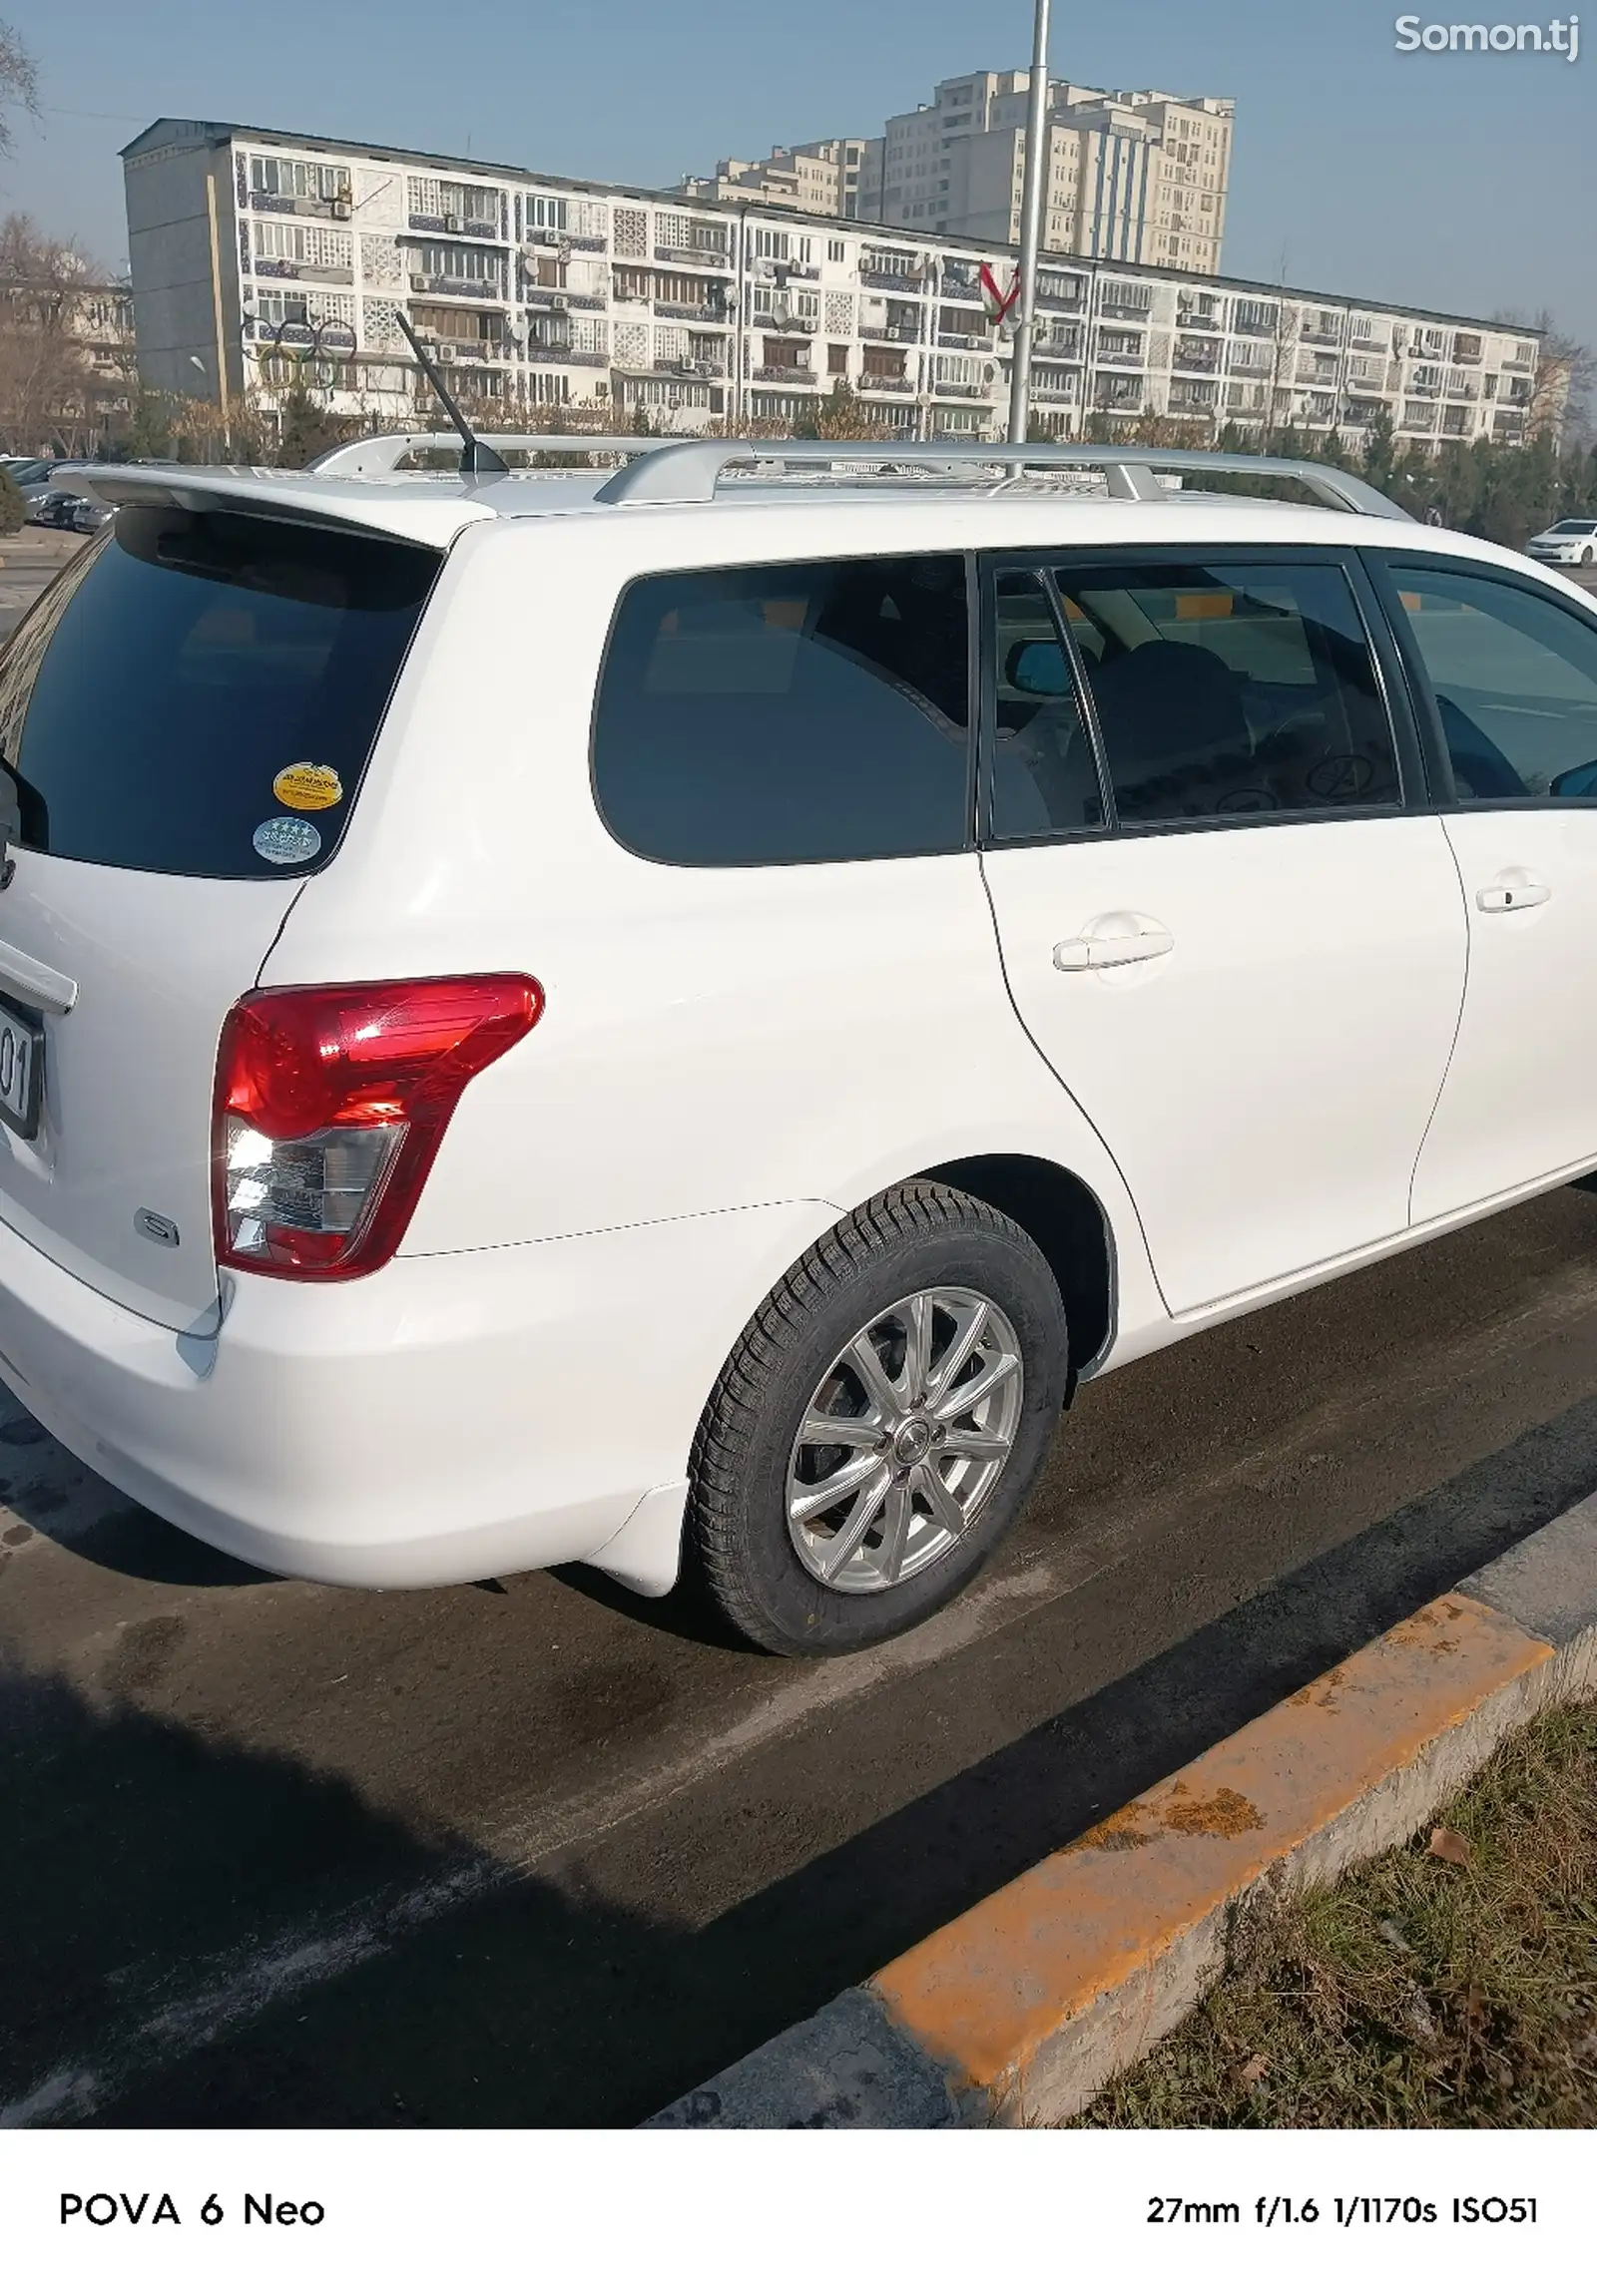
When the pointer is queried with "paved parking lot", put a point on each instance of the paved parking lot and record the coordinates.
(540, 1853)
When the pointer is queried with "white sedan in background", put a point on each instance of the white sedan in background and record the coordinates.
(1572, 541)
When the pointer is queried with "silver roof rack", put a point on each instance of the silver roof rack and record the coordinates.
(690, 470)
(380, 455)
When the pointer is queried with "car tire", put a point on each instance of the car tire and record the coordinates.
(939, 1292)
(1587, 555)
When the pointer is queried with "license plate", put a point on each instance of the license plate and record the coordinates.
(21, 1071)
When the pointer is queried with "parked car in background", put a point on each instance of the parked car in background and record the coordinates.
(891, 951)
(1572, 541)
(75, 511)
(29, 475)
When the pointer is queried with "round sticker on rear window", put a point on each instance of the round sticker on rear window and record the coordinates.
(308, 788)
(284, 840)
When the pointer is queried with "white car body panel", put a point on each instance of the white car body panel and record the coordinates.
(1267, 1083)
(1521, 1093)
(129, 1071)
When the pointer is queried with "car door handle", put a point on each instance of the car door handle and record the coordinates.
(1118, 939)
(1512, 890)
(32, 982)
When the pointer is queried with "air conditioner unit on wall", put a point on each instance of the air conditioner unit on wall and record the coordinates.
(447, 355)
(451, 223)
(342, 211)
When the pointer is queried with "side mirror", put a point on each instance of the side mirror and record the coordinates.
(1038, 666)
(1579, 781)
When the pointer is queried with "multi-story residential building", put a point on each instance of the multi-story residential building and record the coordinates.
(257, 255)
(839, 176)
(1132, 174)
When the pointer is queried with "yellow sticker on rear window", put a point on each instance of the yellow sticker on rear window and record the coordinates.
(308, 788)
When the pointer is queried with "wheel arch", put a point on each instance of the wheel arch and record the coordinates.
(1067, 1222)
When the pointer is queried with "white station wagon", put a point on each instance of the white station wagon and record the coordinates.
(676, 1010)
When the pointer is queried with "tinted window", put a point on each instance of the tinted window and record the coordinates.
(1044, 775)
(810, 712)
(182, 666)
(1516, 679)
(1233, 690)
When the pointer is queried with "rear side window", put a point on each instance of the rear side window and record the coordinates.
(1230, 689)
(1515, 681)
(781, 714)
(199, 693)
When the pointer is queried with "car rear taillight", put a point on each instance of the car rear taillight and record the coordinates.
(330, 1104)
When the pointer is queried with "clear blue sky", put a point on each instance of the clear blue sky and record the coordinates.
(1463, 183)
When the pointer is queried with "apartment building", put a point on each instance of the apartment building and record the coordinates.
(1132, 176)
(839, 176)
(259, 256)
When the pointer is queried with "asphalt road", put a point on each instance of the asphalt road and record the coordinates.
(536, 1852)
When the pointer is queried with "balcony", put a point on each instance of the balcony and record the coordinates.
(885, 382)
(1112, 307)
(706, 258)
(964, 339)
(563, 355)
(1057, 393)
(896, 335)
(956, 290)
(961, 390)
(1211, 319)
(1121, 360)
(1198, 357)
(278, 268)
(1059, 294)
(710, 370)
(474, 291)
(702, 315)
(561, 300)
(784, 375)
(894, 282)
(452, 226)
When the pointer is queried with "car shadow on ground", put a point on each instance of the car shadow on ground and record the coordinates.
(197, 1934)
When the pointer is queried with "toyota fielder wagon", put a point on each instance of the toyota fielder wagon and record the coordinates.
(624, 1013)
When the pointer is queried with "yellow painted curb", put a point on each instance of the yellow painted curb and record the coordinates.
(984, 1996)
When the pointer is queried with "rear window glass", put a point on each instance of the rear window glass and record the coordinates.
(199, 693)
(778, 713)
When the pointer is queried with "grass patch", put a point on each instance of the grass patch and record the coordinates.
(1420, 1991)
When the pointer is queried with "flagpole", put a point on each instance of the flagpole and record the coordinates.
(1031, 207)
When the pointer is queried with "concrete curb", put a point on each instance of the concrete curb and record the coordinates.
(1021, 2009)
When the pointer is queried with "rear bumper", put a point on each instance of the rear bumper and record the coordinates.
(449, 1418)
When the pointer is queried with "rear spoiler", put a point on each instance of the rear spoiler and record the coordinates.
(428, 513)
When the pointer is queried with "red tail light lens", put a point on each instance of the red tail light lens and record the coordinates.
(330, 1104)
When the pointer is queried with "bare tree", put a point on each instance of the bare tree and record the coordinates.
(65, 368)
(1560, 403)
(19, 86)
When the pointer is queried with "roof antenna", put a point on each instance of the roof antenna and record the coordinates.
(476, 460)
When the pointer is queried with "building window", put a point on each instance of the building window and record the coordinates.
(298, 180)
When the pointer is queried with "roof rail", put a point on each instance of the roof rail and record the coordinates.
(380, 456)
(687, 470)
(684, 470)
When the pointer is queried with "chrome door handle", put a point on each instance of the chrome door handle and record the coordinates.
(1524, 893)
(1118, 939)
(32, 982)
